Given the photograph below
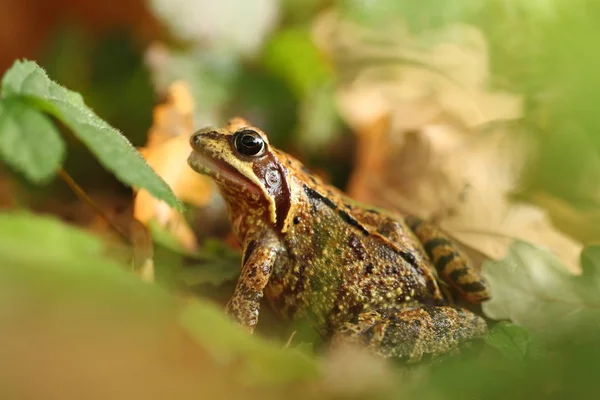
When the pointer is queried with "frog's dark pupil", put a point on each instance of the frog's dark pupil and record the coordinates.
(249, 143)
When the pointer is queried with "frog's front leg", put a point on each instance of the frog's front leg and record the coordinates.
(410, 334)
(257, 266)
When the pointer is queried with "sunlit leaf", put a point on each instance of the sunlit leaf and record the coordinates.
(28, 141)
(532, 288)
(27, 80)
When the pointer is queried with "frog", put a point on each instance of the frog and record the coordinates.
(358, 274)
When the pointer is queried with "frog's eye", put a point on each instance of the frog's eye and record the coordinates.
(249, 143)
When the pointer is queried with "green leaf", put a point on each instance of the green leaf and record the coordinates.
(29, 142)
(514, 342)
(532, 288)
(260, 361)
(25, 79)
(49, 254)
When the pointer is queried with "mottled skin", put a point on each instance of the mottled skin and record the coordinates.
(358, 274)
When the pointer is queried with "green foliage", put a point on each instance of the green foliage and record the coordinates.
(29, 143)
(27, 82)
(514, 342)
(48, 253)
(532, 288)
(41, 257)
(263, 362)
(292, 55)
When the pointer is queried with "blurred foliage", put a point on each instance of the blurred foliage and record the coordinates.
(79, 284)
(27, 83)
(99, 68)
(259, 60)
(214, 264)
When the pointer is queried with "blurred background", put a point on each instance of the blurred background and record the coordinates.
(477, 114)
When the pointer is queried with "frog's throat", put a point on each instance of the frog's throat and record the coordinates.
(224, 172)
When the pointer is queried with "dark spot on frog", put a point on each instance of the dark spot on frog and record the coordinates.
(430, 245)
(445, 260)
(357, 247)
(351, 221)
(369, 268)
(430, 285)
(458, 273)
(473, 287)
(355, 309)
(409, 258)
(249, 250)
(296, 220)
(366, 291)
(314, 195)
(391, 270)
(373, 211)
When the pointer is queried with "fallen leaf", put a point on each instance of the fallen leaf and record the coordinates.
(166, 152)
(532, 288)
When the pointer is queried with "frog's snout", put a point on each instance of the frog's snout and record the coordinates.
(196, 140)
(208, 137)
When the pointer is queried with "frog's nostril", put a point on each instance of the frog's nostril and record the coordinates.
(195, 140)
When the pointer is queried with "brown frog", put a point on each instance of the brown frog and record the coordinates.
(359, 274)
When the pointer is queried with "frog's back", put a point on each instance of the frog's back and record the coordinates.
(343, 259)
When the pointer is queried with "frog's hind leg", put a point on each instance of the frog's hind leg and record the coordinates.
(452, 265)
(410, 334)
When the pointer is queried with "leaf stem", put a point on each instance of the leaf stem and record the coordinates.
(83, 196)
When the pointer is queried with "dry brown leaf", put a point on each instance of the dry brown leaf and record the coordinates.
(418, 147)
(166, 152)
(391, 72)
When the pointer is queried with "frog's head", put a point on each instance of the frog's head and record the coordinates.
(245, 167)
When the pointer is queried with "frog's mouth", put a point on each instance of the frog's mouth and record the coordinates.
(219, 170)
